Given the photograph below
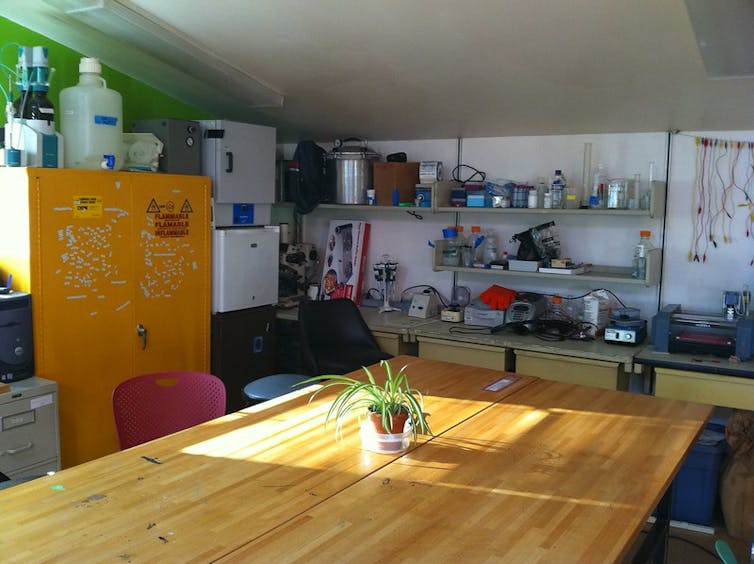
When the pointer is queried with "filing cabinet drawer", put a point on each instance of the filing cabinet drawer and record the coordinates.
(28, 431)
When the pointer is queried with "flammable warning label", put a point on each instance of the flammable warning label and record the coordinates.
(171, 225)
(85, 207)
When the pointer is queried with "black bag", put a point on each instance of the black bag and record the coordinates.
(311, 188)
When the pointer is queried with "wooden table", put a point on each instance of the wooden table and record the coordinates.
(539, 471)
(220, 484)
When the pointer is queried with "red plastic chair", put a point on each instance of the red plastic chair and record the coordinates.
(154, 405)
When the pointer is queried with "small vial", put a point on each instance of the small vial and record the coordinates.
(547, 201)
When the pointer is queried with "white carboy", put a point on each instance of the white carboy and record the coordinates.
(91, 121)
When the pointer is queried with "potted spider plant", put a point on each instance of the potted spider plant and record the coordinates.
(392, 413)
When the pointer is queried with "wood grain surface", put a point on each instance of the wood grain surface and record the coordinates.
(201, 493)
(553, 473)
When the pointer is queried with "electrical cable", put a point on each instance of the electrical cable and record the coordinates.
(426, 287)
(476, 174)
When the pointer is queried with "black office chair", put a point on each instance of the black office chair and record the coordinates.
(335, 339)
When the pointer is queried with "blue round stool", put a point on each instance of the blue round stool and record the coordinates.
(272, 386)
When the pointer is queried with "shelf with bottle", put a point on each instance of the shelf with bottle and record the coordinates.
(597, 273)
(656, 207)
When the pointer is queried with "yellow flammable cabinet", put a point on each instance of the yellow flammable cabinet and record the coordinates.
(118, 267)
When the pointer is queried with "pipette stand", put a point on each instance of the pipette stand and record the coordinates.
(384, 273)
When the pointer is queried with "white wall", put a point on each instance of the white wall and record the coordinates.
(598, 239)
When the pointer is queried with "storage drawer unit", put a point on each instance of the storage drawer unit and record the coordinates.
(472, 354)
(712, 389)
(29, 441)
(573, 370)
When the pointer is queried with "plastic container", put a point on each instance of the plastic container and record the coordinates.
(641, 251)
(489, 251)
(451, 251)
(695, 485)
(599, 187)
(91, 121)
(558, 190)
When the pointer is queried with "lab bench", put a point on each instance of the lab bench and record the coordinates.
(703, 378)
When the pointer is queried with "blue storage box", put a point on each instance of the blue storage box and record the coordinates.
(695, 485)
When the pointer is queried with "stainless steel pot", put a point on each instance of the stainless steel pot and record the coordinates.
(349, 172)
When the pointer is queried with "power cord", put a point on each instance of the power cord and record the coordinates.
(475, 175)
(427, 289)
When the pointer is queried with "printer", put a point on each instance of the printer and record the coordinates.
(696, 333)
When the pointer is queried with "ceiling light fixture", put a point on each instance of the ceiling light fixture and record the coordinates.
(139, 45)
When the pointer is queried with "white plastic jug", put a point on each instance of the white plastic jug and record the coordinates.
(91, 121)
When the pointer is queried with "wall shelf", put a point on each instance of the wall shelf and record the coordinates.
(598, 273)
(441, 204)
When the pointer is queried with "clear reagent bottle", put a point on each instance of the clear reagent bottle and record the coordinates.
(599, 187)
(641, 252)
(558, 190)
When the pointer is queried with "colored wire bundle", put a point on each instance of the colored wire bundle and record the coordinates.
(716, 179)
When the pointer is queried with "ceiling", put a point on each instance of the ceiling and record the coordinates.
(422, 69)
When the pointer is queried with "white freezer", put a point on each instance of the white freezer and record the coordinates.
(244, 267)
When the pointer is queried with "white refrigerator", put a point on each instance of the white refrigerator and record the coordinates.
(244, 267)
(244, 293)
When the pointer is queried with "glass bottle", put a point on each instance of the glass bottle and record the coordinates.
(599, 187)
(558, 190)
(476, 240)
(451, 250)
(489, 253)
(641, 252)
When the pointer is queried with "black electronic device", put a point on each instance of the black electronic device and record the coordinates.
(16, 346)
(181, 139)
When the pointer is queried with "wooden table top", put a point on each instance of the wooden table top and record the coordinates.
(200, 494)
(553, 473)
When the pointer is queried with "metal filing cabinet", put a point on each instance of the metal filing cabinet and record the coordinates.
(29, 441)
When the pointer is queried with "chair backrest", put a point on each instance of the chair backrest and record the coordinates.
(335, 328)
(150, 406)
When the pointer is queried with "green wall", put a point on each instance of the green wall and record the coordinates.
(139, 100)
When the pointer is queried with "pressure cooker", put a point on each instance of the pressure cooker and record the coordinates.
(349, 171)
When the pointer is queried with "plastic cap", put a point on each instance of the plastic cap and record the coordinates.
(645, 233)
(90, 65)
(449, 233)
(557, 300)
(475, 229)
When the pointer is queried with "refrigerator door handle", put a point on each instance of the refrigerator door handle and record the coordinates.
(229, 154)
(141, 331)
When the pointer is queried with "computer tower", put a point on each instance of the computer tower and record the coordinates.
(16, 341)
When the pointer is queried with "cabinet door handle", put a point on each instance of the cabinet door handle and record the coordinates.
(141, 331)
(23, 447)
(229, 154)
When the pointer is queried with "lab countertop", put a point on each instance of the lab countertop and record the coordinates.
(696, 362)
(411, 327)
(596, 349)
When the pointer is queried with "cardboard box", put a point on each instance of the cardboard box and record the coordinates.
(344, 260)
(386, 176)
